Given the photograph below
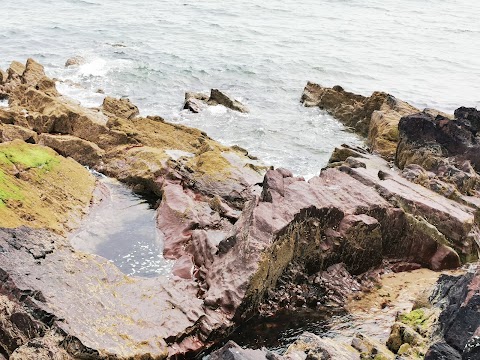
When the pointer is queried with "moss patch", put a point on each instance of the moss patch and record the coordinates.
(415, 318)
(22, 155)
(41, 189)
(8, 190)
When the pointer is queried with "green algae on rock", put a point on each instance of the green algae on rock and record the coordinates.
(40, 188)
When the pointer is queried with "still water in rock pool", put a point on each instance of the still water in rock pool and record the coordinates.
(122, 229)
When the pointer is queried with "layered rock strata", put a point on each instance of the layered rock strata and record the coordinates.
(233, 236)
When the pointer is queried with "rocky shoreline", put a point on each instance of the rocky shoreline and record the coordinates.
(246, 239)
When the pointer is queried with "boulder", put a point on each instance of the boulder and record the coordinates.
(469, 116)
(75, 61)
(196, 102)
(11, 132)
(371, 349)
(122, 108)
(231, 351)
(218, 97)
(83, 151)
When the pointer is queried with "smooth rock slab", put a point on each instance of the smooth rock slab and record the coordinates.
(97, 309)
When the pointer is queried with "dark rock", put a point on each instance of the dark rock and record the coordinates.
(472, 349)
(442, 351)
(220, 98)
(442, 146)
(471, 115)
(459, 322)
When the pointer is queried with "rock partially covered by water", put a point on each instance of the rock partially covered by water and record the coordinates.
(91, 308)
(375, 117)
(75, 61)
(195, 102)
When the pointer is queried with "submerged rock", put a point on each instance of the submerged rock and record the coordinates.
(195, 102)
(75, 61)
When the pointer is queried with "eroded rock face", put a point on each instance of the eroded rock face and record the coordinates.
(446, 148)
(375, 117)
(357, 215)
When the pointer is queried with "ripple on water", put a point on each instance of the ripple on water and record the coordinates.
(122, 229)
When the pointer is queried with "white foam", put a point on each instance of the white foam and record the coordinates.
(217, 109)
(177, 154)
(94, 67)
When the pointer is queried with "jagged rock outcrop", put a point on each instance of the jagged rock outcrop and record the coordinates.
(446, 148)
(375, 117)
(356, 214)
(196, 102)
(458, 298)
(233, 236)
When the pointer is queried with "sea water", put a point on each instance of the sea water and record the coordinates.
(260, 52)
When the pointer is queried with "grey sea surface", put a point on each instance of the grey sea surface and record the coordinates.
(261, 52)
